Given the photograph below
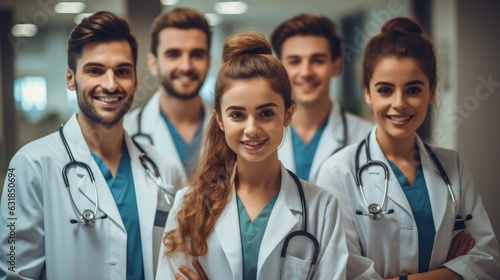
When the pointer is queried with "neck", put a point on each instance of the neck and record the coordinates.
(259, 176)
(107, 142)
(178, 110)
(395, 149)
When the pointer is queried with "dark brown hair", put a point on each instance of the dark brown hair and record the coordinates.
(245, 57)
(102, 26)
(400, 38)
(307, 24)
(182, 18)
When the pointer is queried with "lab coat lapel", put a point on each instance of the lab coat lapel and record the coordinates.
(436, 186)
(330, 141)
(154, 125)
(146, 197)
(228, 234)
(285, 153)
(394, 193)
(81, 152)
(282, 219)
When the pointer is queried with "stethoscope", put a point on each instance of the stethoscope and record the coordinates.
(88, 217)
(302, 232)
(139, 130)
(344, 130)
(375, 211)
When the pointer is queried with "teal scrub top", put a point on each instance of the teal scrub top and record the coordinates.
(251, 236)
(187, 152)
(420, 204)
(304, 153)
(123, 191)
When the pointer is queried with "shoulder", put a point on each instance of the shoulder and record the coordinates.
(130, 119)
(345, 157)
(47, 146)
(446, 157)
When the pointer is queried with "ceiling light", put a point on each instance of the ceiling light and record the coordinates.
(69, 7)
(231, 7)
(24, 30)
(169, 2)
(213, 18)
(78, 18)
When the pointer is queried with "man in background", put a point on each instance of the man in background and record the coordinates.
(174, 118)
(309, 48)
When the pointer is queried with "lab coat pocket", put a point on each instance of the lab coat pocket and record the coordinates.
(295, 268)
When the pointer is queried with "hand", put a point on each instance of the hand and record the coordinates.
(191, 275)
(461, 244)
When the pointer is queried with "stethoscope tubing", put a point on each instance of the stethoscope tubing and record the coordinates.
(72, 162)
(370, 162)
(302, 232)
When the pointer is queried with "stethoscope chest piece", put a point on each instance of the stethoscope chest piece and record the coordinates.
(88, 217)
(374, 209)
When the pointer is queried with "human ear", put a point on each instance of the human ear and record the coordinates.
(152, 64)
(432, 98)
(336, 67)
(70, 79)
(289, 114)
(368, 97)
(218, 119)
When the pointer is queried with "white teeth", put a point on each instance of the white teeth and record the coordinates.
(253, 143)
(399, 119)
(108, 99)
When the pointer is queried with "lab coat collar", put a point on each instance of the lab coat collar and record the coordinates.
(153, 124)
(436, 185)
(228, 233)
(282, 219)
(81, 152)
(281, 222)
(331, 140)
(146, 196)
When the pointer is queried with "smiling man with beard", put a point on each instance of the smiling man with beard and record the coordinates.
(174, 117)
(84, 205)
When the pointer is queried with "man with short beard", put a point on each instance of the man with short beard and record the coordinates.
(80, 202)
(174, 117)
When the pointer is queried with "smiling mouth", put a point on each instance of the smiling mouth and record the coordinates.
(254, 143)
(307, 86)
(107, 99)
(400, 118)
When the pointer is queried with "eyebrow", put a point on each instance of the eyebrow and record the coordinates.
(415, 82)
(257, 108)
(95, 64)
(314, 55)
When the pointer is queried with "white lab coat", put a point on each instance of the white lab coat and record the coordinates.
(47, 245)
(392, 242)
(331, 140)
(224, 257)
(152, 124)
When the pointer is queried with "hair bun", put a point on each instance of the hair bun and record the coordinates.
(245, 44)
(402, 24)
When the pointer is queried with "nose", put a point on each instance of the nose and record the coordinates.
(109, 83)
(399, 101)
(185, 62)
(252, 128)
(305, 69)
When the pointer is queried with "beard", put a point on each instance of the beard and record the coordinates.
(91, 113)
(169, 87)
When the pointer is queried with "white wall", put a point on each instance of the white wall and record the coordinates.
(469, 112)
(478, 135)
